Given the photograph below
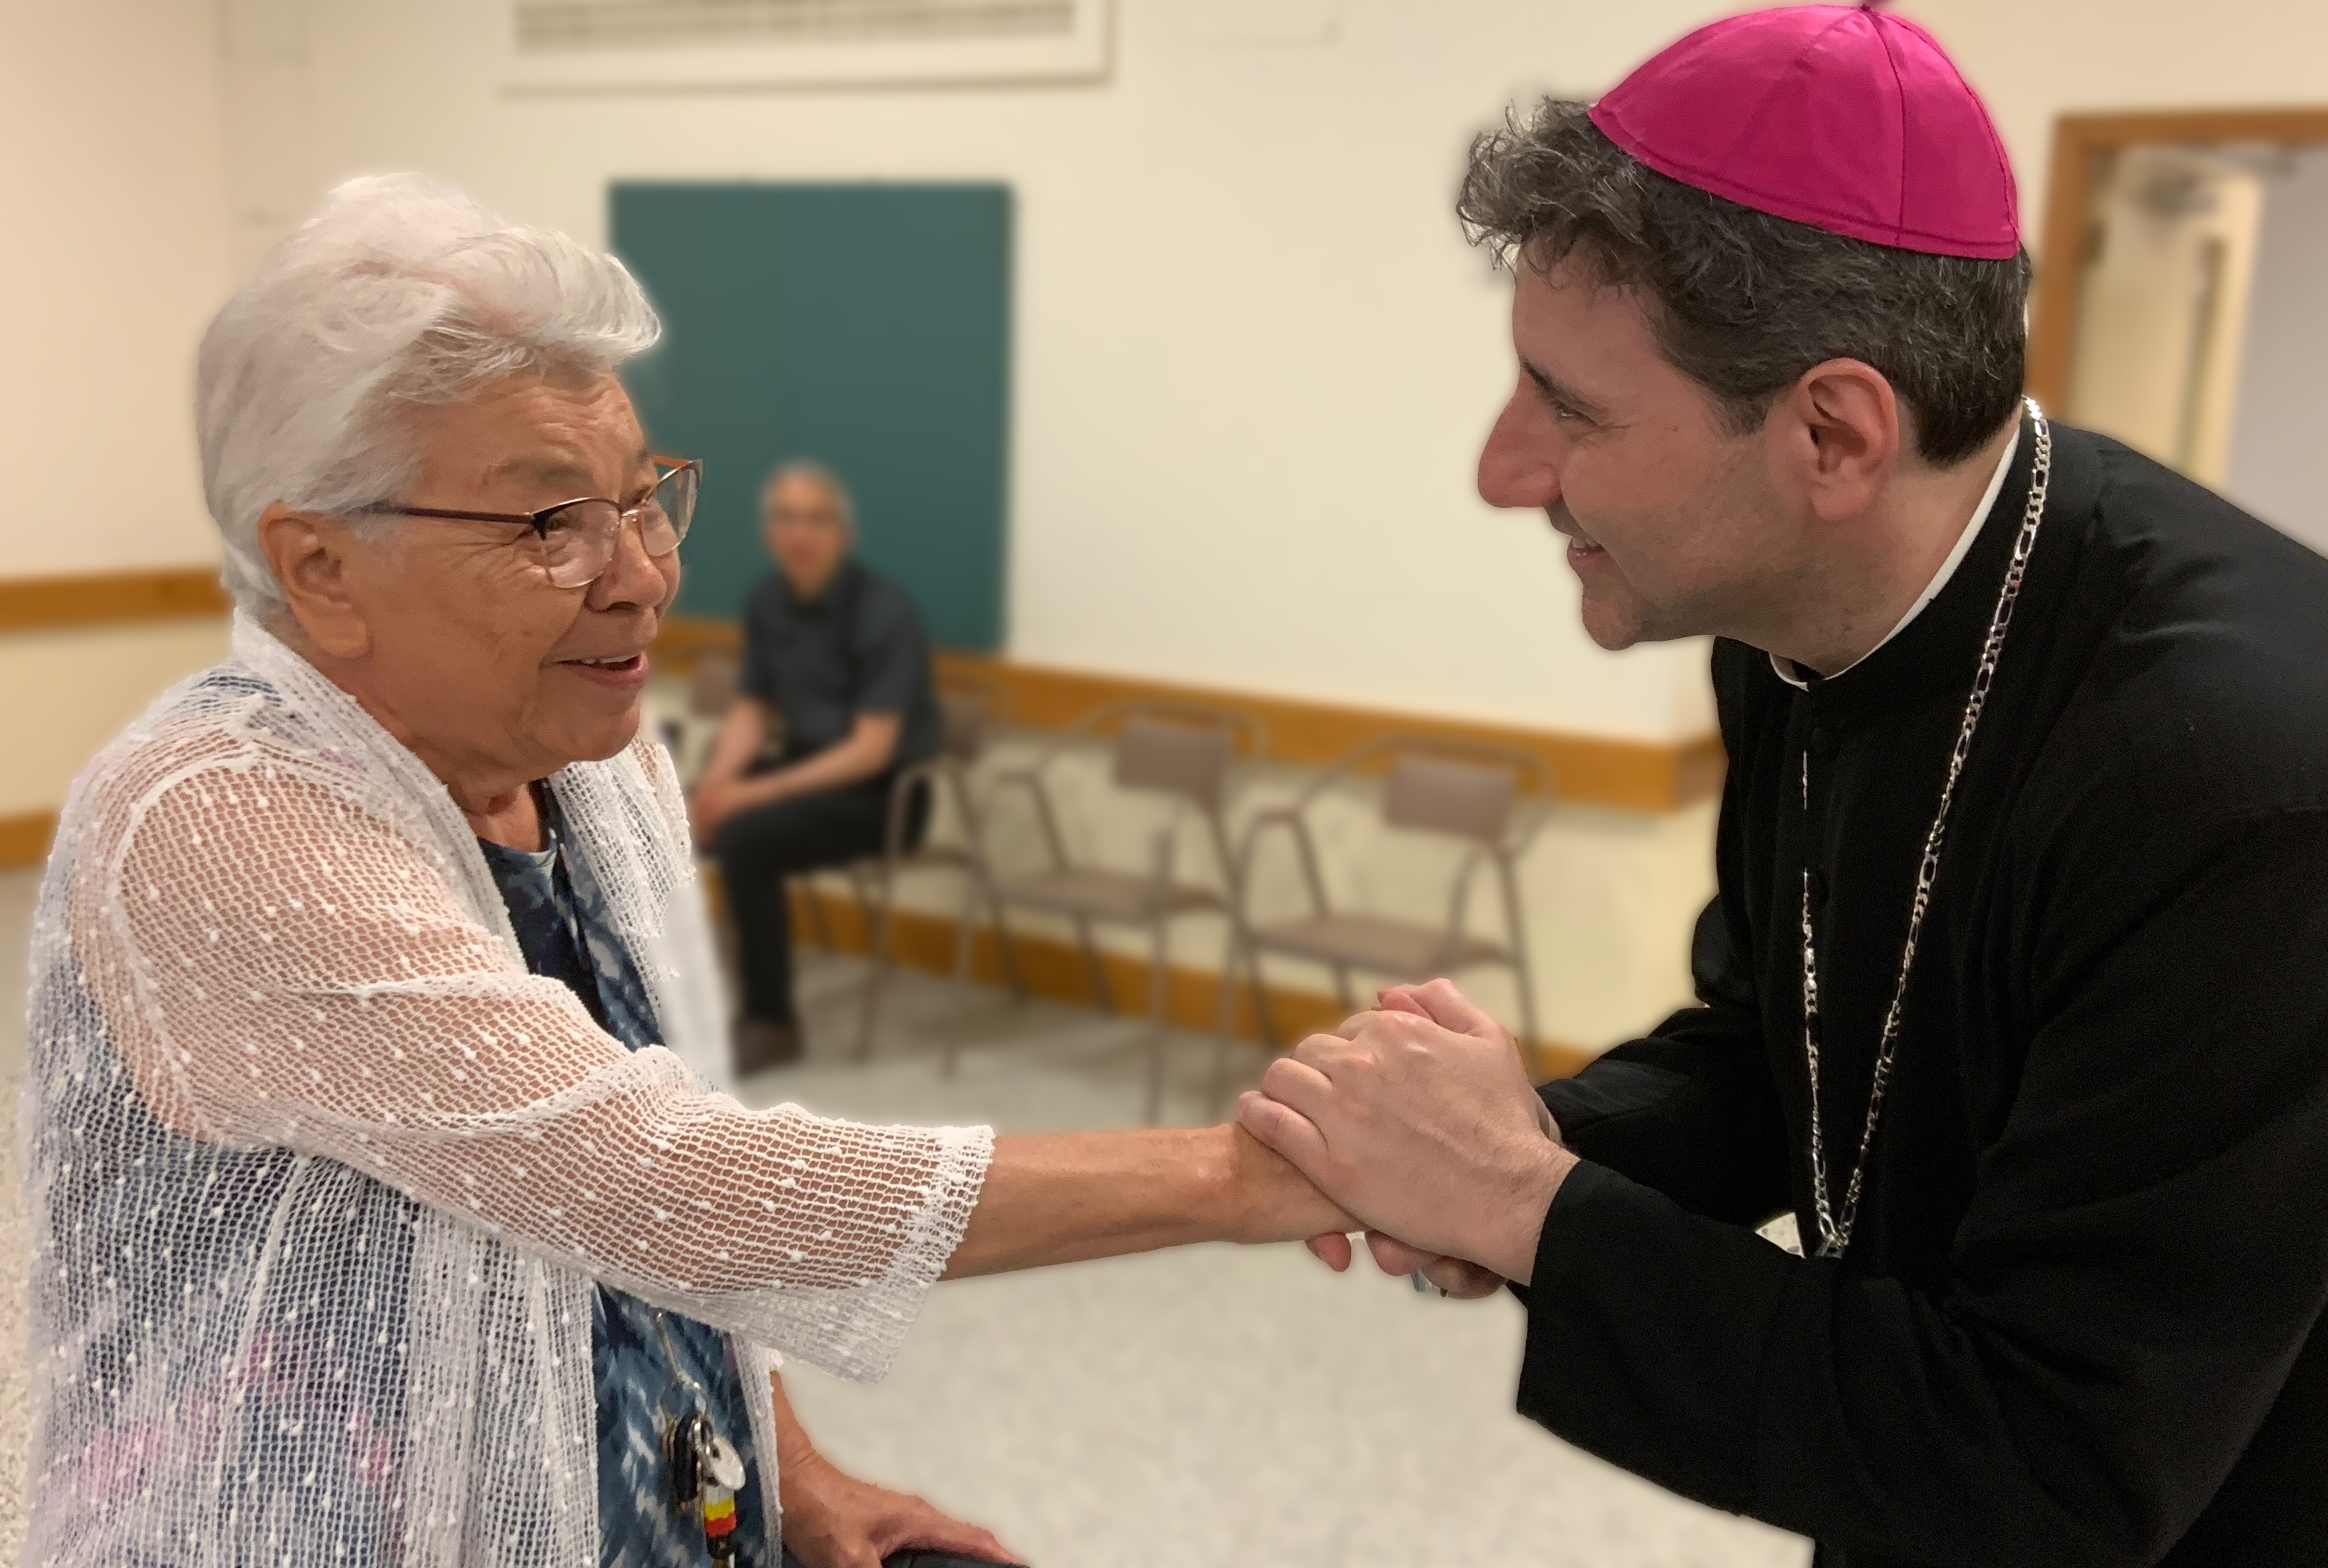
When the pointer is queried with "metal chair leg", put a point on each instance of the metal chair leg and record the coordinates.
(1005, 948)
(964, 931)
(1264, 1017)
(1093, 972)
(878, 906)
(1223, 1017)
(1534, 1051)
(816, 917)
(1158, 955)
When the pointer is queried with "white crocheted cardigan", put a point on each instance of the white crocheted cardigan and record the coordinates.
(320, 1177)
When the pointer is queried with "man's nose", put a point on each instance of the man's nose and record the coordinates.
(1520, 463)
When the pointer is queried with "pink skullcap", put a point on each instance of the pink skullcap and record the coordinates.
(1840, 116)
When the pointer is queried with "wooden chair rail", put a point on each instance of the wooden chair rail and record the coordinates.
(1630, 775)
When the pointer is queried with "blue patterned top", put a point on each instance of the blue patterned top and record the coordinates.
(560, 917)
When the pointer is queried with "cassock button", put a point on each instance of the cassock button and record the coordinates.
(1818, 888)
(1823, 741)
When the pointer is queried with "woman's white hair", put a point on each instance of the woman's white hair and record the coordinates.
(398, 293)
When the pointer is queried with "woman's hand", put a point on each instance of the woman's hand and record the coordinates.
(1275, 1202)
(1454, 1277)
(833, 1520)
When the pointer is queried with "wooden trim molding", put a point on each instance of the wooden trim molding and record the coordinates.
(2081, 144)
(1054, 970)
(1632, 774)
(99, 598)
(25, 838)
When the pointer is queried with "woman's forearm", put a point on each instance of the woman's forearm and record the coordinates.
(1069, 1196)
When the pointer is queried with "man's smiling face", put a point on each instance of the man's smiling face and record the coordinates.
(1670, 517)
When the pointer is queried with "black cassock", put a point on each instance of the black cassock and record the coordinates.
(2081, 1317)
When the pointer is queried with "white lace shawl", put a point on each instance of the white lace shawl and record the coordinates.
(320, 1177)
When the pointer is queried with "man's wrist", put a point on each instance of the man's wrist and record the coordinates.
(1518, 1220)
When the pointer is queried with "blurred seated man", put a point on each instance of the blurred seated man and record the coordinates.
(835, 658)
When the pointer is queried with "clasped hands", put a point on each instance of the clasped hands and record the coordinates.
(1418, 1120)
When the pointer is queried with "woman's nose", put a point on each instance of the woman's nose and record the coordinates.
(633, 576)
(1520, 463)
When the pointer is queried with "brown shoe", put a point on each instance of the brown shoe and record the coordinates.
(761, 1044)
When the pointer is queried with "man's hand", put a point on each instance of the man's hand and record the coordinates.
(1464, 1280)
(1424, 1127)
(706, 808)
(833, 1520)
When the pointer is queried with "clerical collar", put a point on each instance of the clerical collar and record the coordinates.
(1785, 668)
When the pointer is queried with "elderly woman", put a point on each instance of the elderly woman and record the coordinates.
(383, 1213)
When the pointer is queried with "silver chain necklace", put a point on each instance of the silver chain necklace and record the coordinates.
(1834, 1233)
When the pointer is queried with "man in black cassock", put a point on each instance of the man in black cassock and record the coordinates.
(2015, 990)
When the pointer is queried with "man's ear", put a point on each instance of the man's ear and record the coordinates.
(310, 556)
(1839, 434)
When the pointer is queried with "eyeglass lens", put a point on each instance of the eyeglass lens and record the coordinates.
(579, 541)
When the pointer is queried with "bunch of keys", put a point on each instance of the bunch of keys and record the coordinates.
(706, 1474)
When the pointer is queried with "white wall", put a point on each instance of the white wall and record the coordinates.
(1254, 357)
(2031, 62)
(113, 260)
(2283, 400)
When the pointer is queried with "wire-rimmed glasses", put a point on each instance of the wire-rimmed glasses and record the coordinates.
(578, 536)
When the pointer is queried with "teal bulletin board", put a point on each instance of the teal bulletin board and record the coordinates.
(866, 326)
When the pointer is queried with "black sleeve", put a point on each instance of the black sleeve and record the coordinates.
(889, 653)
(756, 673)
(2141, 1263)
(1690, 1110)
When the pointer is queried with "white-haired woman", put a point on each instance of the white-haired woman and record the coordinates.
(383, 1211)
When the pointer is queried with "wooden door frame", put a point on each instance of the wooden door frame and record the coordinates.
(2078, 140)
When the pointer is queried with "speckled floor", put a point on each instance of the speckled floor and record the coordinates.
(1216, 1406)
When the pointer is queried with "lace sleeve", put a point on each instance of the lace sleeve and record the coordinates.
(279, 968)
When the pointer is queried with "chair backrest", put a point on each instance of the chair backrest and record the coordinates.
(1443, 794)
(1184, 759)
(963, 718)
(713, 690)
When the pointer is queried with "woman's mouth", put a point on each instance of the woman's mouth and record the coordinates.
(623, 672)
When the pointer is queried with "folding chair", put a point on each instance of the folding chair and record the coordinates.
(1464, 791)
(1180, 750)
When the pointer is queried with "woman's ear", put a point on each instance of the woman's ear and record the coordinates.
(310, 556)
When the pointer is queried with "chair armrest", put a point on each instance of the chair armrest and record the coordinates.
(1030, 779)
(901, 794)
(1163, 845)
(1528, 821)
(1290, 818)
(1459, 902)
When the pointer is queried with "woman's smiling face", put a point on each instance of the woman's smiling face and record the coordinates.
(478, 658)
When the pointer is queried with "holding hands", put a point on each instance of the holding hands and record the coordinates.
(1418, 1120)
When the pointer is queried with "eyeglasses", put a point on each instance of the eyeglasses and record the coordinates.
(577, 537)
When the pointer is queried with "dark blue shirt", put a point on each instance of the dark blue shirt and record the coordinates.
(857, 647)
(559, 915)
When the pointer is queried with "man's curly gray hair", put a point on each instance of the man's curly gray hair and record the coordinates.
(1743, 302)
(398, 293)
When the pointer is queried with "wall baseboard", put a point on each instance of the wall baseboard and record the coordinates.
(1050, 968)
(1054, 970)
(25, 838)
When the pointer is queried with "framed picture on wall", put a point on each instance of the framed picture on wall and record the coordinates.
(629, 45)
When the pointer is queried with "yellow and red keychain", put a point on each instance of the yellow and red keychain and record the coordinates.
(706, 1474)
